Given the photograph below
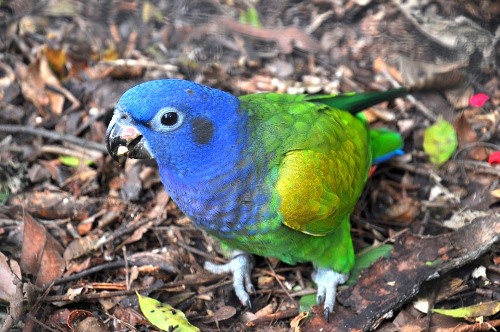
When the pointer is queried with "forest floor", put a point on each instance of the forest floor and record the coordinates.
(80, 233)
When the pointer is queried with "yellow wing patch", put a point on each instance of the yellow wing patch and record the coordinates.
(319, 190)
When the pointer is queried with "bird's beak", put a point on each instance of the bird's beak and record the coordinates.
(123, 138)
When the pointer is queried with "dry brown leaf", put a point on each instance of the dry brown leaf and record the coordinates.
(297, 321)
(76, 266)
(10, 274)
(138, 233)
(129, 315)
(161, 200)
(84, 227)
(93, 324)
(34, 80)
(442, 323)
(222, 313)
(467, 135)
(51, 264)
(404, 210)
(41, 254)
(80, 247)
(57, 60)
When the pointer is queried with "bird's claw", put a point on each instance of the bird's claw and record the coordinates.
(327, 281)
(240, 266)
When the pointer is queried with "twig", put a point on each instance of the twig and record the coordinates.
(479, 166)
(318, 20)
(90, 271)
(474, 145)
(18, 129)
(433, 176)
(273, 317)
(60, 150)
(286, 38)
(279, 281)
(45, 326)
(421, 107)
(140, 63)
(201, 253)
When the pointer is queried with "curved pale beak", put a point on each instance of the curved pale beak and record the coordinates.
(123, 138)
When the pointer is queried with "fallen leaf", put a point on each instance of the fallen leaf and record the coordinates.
(223, 313)
(440, 141)
(251, 17)
(404, 211)
(10, 274)
(81, 246)
(297, 321)
(57, 60)
(35, 80)
(466, 135)
(422, 75)
(164, 316)
(476, 310)
(41, 254)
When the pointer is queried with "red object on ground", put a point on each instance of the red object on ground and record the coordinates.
(478, 100)
(494, 158)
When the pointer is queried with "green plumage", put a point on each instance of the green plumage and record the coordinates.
(318, 159)
(269, 174)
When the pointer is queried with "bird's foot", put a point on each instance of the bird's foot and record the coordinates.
(240, 266)
(327, 281)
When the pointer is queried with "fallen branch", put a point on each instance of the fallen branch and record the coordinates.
(17, 129)
(391, 282)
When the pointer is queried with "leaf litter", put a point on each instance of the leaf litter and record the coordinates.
(81, 233)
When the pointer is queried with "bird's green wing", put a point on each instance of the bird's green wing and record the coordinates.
(319, 158)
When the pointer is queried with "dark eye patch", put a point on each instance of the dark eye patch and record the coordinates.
(203, 130)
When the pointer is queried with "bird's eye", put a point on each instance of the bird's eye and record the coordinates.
(170, 119)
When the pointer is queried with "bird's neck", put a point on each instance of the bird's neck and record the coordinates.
(219, 200)
(212, 187)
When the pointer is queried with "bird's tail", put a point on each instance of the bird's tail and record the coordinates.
(355, 102)
(385, 144)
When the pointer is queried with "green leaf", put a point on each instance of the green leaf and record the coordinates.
(476, 310)
(434, 263)
(4, 194)
(306, 302)
(440, 141)
(251, 17)
(164, 316)
(73, 161)
(366, 258)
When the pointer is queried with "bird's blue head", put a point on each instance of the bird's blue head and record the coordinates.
(190, 129)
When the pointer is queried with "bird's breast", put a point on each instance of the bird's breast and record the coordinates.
(237, 201)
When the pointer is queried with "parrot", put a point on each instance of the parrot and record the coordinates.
(268, 174)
